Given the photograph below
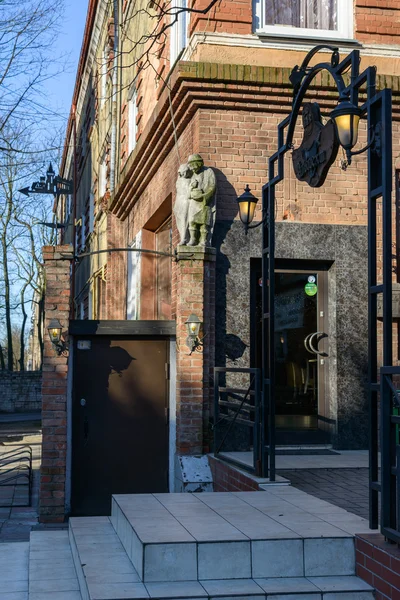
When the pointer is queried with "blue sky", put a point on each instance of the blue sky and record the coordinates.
(59, 91)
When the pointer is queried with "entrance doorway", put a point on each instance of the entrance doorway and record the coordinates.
(119, 420)
(301, 349)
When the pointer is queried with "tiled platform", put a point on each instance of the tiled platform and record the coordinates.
(280, 544)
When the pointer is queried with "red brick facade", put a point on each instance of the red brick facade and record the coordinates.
(229, 479)
(57, 260)
(195, 294)
(378, 563)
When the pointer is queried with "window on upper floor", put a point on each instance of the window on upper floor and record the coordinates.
(103, 74)
(91, 212)
(132, 120)
(102, 183)
(179, 29)
(305, 18)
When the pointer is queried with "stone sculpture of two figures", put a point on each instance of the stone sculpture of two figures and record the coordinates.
(194, 208)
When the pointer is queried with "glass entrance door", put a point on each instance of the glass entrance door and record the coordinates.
(301, 354)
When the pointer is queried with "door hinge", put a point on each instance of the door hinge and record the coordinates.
(167, 371)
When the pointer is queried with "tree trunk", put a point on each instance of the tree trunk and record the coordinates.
(40, 326)
(2, 363)
(22, 333)
(7, 305)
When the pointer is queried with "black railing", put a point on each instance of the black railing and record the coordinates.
(390, 454)
(238, 417)
(16, 471)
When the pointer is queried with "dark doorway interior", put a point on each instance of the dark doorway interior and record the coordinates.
(301, 349)
(119, 420)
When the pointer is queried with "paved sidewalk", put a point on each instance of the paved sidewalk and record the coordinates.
(346, 488)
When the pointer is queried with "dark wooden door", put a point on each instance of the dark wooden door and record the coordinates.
(119, 420)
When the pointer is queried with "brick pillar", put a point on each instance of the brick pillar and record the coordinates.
(57, 260)
(195, 293)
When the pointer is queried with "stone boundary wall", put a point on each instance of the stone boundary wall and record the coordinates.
(20, 391)
(378, 563)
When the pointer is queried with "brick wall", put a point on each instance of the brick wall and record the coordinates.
(20, 391)
(378, 563)
(54, 388)
(195, 293)
(229, 479)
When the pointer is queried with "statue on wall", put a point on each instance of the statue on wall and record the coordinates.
(195, 202)
(181, 208)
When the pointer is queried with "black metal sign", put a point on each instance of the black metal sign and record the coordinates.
(318, 150)
(51, 184)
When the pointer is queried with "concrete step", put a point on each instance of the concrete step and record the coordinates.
(52, 574)
(183, 537)
(105, 573)
(103, 568)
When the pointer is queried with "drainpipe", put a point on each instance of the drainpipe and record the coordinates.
(113, 149)
(74, 200)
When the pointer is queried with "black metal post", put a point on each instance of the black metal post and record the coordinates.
(378, 110)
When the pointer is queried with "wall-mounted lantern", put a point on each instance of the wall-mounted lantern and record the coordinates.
(346, 117)
(247, 206)
(55, 334)
(193, 324)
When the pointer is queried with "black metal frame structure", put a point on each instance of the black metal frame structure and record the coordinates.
(236, 405)
(390, 474)
(377, 108)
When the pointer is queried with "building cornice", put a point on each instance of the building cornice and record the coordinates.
(197, 85)
(90, 19)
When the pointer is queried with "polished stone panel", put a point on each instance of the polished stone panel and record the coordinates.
(344, 249)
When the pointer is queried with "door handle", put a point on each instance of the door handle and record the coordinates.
(307, 342)
(310, 342)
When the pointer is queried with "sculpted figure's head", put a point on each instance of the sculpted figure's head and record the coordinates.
(195, 162)
(185, 172)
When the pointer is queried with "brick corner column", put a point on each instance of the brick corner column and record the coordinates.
(195, 294)
(57, 260)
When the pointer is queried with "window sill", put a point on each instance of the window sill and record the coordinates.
(301, 40)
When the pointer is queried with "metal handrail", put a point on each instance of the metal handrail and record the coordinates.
(390, 455)
(238, 408)
(20, 470)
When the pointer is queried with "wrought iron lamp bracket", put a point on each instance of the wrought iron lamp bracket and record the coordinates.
(298, 73)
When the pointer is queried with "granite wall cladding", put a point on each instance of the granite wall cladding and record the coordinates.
(345, 247)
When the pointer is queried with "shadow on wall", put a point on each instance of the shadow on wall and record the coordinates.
(230, 347)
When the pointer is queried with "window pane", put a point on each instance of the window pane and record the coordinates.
(307, 14)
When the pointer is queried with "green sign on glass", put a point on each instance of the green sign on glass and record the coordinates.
(311, 289)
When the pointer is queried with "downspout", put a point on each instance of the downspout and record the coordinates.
(113, 149)
(74, 200)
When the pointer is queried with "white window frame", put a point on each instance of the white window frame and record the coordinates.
(178, 31)
(83, 227)
(132, 120)
(102, 178)
(91, 212)
(344, 31)
(103, 75)
(133, 287)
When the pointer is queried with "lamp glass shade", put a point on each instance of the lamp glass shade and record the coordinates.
(346, 117)
(193, 325)
(55, 331)
(247, 205)
(347, 128)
